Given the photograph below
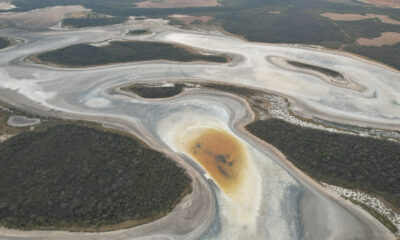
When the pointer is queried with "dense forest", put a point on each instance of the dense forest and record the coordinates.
(119, 52)
(92, 22)
(292, 26)
(75, 176)
(4, 42)
(355, 162)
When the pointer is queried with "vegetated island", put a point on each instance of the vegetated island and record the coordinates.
(79, 178)
(155, 91)
(4, 42)
(364, 163)
(325, 71)
(84, 55)
(137, 32)
(163, 90)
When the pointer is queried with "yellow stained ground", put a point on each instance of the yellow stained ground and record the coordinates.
(223, 157)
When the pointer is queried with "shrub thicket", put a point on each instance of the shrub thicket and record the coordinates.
(118, 52)
(368, 164)
(71, 175)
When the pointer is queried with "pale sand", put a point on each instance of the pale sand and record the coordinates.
(176, 3)
(6, 5)
(22, 121)
(356, 17)
(386, 38)
(241, 208)
(5, 137)
(275, 12)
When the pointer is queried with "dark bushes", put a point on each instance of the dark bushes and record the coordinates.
(70, 175)
(118, 52)
(148, 91)
(92, 22)
(368, 164)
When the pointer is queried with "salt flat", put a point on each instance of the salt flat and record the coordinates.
(282, 203)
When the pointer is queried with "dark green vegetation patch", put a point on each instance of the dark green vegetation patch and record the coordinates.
(388, 54)
(157, 91)
(326, 71)
(4, 42)
(73, 176)
(92, 22)
(368, 164)
(150, 91)
(119, 52)
(368, 28)
(291, 26)
(138, 32)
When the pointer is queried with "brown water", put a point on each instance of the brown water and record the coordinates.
(223, 157)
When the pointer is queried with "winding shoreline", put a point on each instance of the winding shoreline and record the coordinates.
(204, 207)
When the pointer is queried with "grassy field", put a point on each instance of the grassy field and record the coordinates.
(120, 52)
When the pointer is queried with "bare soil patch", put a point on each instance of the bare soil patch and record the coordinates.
(176, 3)
(386, 38)
(43, 18)
(383, 3)
(187, 19)
(356, 17)
(85, 14)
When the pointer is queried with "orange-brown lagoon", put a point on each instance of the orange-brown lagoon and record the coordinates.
(223, 157)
